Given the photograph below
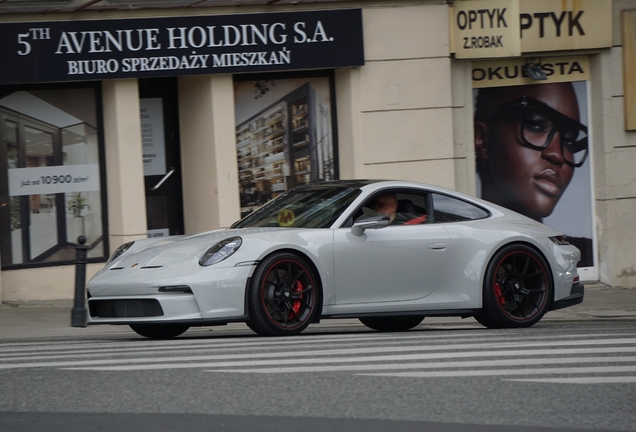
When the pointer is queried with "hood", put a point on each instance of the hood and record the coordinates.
(169, 250)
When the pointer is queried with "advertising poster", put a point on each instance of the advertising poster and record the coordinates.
(284, 136)
(532, 153)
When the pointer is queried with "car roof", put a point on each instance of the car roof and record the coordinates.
(377, 184)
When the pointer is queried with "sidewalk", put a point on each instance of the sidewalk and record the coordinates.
(53, 319)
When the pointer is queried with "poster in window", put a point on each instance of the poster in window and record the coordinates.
(532, 153)
(284, 136)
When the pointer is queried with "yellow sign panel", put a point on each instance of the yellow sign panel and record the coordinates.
(549, 25)
(485, 28)
(500, 73)
(508, 28)
(629, 68)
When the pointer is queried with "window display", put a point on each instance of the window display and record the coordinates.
(49, 175)
(284, 136)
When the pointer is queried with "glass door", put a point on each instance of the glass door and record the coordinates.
(34, 228)
(44, 232)
(161, 155)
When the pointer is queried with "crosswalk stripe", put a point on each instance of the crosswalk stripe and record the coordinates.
(273, 360)
(259, 341)
(427, 365)
(188, 349)
(502, 372)
(582, 380)
(327, 352)
(477, 335)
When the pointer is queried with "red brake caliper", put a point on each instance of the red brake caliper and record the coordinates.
(499, 295)
(296, 305)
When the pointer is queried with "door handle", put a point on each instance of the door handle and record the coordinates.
(436, 246)
(158, 185)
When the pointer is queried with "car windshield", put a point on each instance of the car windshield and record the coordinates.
(304, 207)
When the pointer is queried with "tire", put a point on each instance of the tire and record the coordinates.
(517, 288)
(283, 295)
(391, 324)
(159, 331)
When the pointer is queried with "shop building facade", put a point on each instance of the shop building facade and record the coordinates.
(122, 122)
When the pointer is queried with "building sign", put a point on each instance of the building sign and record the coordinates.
(508, 28)
(500, 73)
(488, 28)
(154, 47)
(548, 25)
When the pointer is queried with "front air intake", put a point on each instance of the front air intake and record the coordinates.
(133, 308)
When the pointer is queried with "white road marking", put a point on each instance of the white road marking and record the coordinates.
(508, 355)
(581, 380)
(255, 341)
(8, 349)
(275, 360)
(345, 351)
(503, 372)
(427, 365)
(72, 352)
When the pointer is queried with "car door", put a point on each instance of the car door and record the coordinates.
(394, 263)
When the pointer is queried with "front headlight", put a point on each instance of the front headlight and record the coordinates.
(120, 251)
(220, 251)
(560, 240)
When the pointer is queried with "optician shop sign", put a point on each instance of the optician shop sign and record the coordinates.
(509, 72)
(132, 48)
(507, 28)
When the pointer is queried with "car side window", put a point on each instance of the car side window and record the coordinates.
(449, 209)
(404, 207)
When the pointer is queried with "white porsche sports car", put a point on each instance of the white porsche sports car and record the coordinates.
(387, 252)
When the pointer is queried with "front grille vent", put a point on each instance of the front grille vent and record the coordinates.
(133, 308)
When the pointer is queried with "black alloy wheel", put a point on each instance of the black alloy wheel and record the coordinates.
(517, 288)
(283, 295)
(159, 331)
(392, 324)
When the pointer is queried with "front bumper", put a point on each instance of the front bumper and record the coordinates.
(195, 293)
(577, 292)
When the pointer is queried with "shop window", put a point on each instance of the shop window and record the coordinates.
(50, 181)
(284, 133)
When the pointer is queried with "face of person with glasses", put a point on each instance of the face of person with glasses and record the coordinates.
(528, 141)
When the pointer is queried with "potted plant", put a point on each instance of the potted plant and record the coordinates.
(77, 204)
(75, 226)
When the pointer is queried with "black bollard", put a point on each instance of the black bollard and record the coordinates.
(78, 314)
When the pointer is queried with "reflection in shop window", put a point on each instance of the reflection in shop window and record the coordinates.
(49, 176)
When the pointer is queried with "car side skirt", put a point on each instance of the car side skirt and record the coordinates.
(464, 313)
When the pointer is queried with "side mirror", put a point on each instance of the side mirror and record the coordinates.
(369, 222)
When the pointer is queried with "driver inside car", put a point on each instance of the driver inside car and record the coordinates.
(388, 204)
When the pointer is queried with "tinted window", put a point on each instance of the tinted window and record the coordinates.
(448, 209)
(409, 207)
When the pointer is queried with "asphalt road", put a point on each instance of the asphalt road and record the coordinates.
(555, 376)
